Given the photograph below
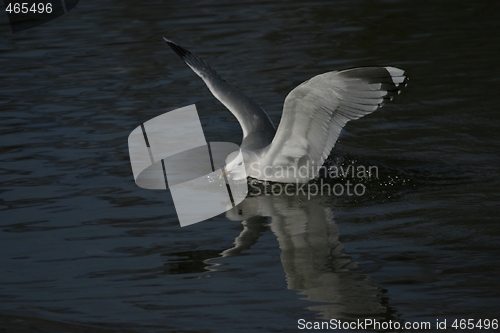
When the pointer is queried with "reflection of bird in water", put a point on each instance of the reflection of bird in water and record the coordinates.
(313, 258)
(314, 113)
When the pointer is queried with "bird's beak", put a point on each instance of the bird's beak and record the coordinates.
(224, 173)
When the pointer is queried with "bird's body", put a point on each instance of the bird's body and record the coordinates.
(314, 113)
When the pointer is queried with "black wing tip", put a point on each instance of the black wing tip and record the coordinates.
(177, 49)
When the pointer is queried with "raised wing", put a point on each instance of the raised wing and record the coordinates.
(315, 112)
(253, 120)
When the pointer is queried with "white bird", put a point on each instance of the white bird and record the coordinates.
(314, 113)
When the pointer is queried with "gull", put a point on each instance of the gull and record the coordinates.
(314, 114)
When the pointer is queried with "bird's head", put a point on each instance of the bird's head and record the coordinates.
(235, 166)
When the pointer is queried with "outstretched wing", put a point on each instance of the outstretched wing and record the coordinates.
(253, 120)
(315, 112)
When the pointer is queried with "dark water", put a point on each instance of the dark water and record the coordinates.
(82, 248)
